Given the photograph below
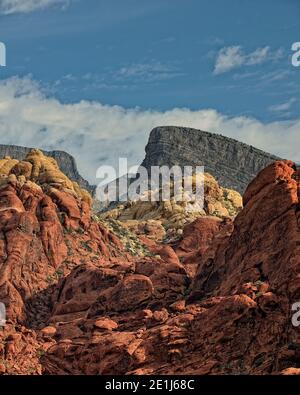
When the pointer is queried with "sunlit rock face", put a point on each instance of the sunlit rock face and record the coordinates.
(65, 161)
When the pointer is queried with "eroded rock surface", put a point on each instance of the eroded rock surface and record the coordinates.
(86, 296)
(166, 219)
(65, 161)
(235, 317)
(46, 229)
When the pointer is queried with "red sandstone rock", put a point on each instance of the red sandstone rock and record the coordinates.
(49, 331)
(45, 231)
(236, 316)
(112, 313)
(197, 239)
(106, 323)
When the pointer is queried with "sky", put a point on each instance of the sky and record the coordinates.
(93, 77)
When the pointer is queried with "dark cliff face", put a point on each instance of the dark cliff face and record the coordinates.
(65, 161)
(232, 163)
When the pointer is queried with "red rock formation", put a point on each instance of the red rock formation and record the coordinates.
(236, 317)
(78, 302)
(198, 238)
(46, 229)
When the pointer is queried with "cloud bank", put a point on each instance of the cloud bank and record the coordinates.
(233, 57)
(98, 134)
(25, 6)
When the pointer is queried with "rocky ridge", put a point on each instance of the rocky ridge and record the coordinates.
(232, 163)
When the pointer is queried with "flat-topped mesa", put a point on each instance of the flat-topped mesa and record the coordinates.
(232, 163)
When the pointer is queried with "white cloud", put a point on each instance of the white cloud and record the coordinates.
(228, 58)
(99, 134)
(233, 57)
(258, 56)
(24, 6)
(283, 107)
(147, 72)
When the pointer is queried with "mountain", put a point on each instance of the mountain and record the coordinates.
(117, 293)
(65, 161)
(84, 295)
(232, 163)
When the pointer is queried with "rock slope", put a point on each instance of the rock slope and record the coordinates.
(232, 163)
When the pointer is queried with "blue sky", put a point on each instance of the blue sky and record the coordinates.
(230, 58)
